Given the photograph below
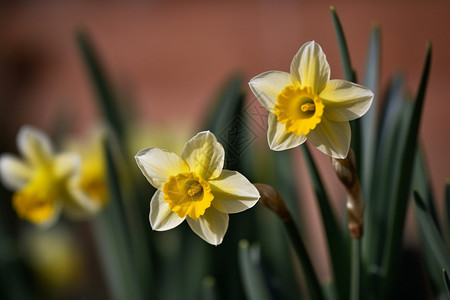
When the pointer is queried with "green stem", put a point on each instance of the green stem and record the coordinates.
(312, 283)
(356, 270)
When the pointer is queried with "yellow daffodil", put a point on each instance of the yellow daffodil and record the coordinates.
(195, 187)
(89, 188)
(40, 180)
(306, 104)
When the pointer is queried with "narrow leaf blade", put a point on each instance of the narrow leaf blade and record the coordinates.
(432, 235)
(337, 245)
(252, 278)
(106, 98)
(397, 217)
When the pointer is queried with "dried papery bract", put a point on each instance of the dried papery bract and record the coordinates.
(346, 171)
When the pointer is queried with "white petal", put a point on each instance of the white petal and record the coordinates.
(205, 155)
(211, 227)
(345, 101)
(158, 164)
(279, 139)
(310, 66)
(14, 173)
(78, 204)
(331, 138)
(66, 164)
(34, 145)
(267, 86)
(233, 192)
(161, 216)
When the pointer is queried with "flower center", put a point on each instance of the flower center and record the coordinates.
(36, 201)
(187, 194)
(299, 109)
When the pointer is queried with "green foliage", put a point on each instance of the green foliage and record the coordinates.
(252, 276)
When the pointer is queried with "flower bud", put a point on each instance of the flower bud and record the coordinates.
(271, 199)
(346, 171)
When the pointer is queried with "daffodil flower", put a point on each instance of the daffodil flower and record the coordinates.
(306, 104)
(40, 180)
(88, 188)
(195, 188)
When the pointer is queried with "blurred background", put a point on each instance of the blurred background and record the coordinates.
(167, 59)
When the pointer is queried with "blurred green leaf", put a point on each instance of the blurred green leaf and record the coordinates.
(311, 280)
(446, 281)
(209, 289)
(338, 248)
(230, 125)
(369, 120)
(447, 211)
(252, 277)
(285, 182)
(136, 221)
(398, 213)
(227, 104)
(106, 97)
(277, 255)
(113, 240)
(271, 235)
(195, 256)
(385, 172)
(421, 184)
(431, 234)
(355, 275)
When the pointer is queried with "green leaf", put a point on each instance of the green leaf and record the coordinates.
(398, 213)
(431, 234)
(337, 244)
(195, 255)
(251, 274)
(350, 75)
(447, 211)
(385, 172)
(271, 233)
(209, 289)
(421, 184)
(446, 281)
(228, 122)
(355, 287)
(285, 182)
(113, 240)
(312, 283)
(369, 120)
(106, 97)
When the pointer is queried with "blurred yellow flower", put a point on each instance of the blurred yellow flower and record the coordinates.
(40, 179)
(306, 104)
(55, 257)
(46, 183)
(195, 187)
(89, 188)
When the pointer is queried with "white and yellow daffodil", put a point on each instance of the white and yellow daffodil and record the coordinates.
(40, 180)
(89, 188)
(306, 104)
(195, 187)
